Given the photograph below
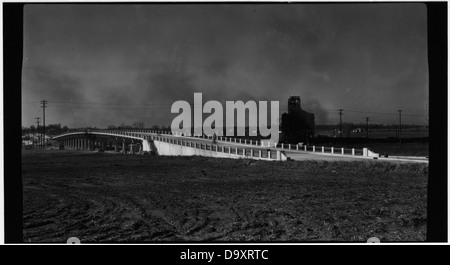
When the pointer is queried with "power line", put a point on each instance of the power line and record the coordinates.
(111, 104)
(39, 138)
(367, 127)
(171, 103)
(163, 105)
(44, 105)
(381, 113)
(400, 126)
(105, 108)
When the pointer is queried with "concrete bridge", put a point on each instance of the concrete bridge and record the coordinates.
(90, 140)
(166, 144)
(163, 143)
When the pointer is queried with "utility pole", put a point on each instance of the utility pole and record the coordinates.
(340, 123)
(367, 127)
(44, 103)
(400, 126)
(39, 140)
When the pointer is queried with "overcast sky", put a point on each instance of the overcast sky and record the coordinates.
(99, 65)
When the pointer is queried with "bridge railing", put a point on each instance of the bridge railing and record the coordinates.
(246, 142)
(136, 132)
(255, 153)
(322, 149)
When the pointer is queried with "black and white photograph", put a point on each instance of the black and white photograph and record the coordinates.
(282, 122)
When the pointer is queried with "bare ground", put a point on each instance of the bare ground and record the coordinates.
(101, 197)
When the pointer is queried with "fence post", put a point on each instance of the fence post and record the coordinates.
(305, 147)
(323, 149)
(282, 145)
(314, 148)
(332, 150)
(342, 150)
(353, 151)
(289, 146)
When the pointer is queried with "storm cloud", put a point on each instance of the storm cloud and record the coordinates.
(103, 64)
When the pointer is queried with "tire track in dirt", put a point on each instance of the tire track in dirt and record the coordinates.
(122, 198)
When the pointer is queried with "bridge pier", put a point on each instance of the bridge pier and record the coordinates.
(123, 148)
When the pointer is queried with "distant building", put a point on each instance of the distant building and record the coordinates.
(297, 125)
(358, 130)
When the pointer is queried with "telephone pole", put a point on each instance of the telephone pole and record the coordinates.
(340, 123)
(44, 105)
(400, 126)
(39, 138)
(367, 127)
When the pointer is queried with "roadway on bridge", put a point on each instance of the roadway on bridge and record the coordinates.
(294, 155)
